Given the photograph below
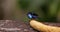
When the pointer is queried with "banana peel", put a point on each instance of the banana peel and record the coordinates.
(42, 27)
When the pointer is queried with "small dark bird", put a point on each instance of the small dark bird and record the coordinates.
(32, 15)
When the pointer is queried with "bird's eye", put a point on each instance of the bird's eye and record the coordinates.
(32, 15)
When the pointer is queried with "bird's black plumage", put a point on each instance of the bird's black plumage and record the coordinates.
(32, 15)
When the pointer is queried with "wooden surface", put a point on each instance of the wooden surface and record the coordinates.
(14, 26)
(19, 26)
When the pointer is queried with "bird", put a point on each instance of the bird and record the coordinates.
(32, 15)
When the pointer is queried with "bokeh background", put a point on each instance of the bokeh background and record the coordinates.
(47, 10)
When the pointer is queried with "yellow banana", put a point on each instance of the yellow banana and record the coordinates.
(42, 27)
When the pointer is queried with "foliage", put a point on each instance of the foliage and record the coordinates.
(46, 9)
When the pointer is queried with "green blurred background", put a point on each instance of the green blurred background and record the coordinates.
(48, 10)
